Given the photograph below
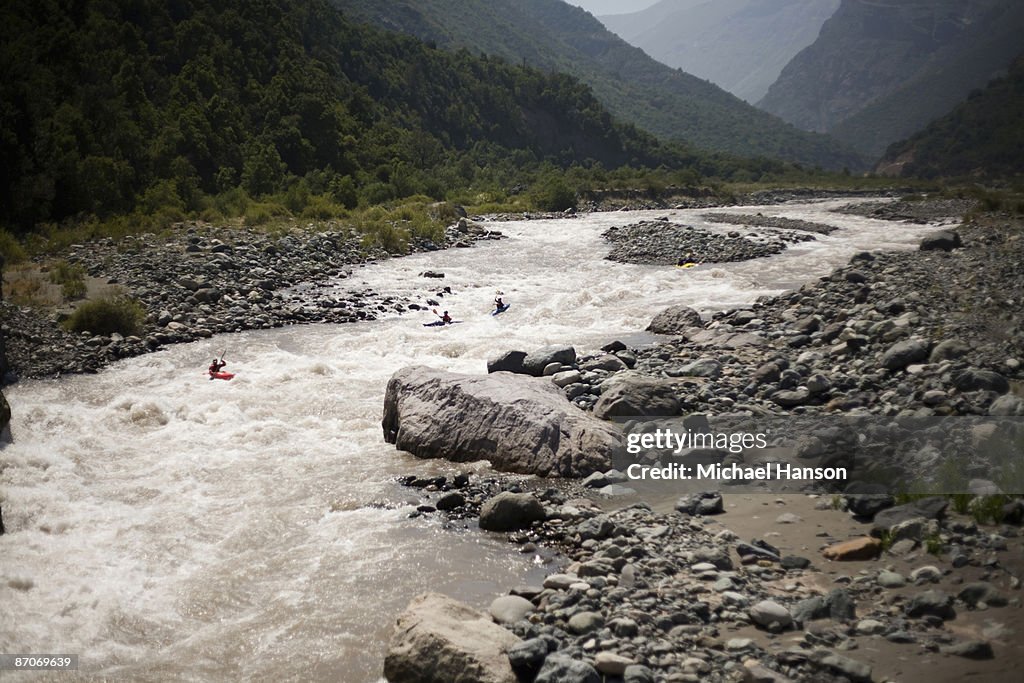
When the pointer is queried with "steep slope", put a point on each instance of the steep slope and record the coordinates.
(881, 69)
(983, 136)
(552, 35)
(740, 45)
(105, 106)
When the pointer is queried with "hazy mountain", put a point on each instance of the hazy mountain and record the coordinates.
(983, 136)
(741, 45)
(597, 7)
(552, 35)
(882, 69)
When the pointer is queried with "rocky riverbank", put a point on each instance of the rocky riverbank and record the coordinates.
(936, 331)
(202, 280)
(647, 595)
(848, 587)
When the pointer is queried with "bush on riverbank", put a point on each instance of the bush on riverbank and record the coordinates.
(70, 277)
(108, 315)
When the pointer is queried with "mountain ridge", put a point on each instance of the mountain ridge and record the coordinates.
(982, 137)
(881, 70)
(633, 86)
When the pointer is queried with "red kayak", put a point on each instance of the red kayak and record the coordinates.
(221, 375)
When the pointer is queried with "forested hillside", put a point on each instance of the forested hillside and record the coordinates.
(555, 36)
(881, 70)
(983, 137)
(119, 105)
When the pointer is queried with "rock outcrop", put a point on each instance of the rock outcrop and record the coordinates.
(5, 413)
(521, 424)
(440, 640)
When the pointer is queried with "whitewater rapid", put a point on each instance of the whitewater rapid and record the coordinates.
(162, 525)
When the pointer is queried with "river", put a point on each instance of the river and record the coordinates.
(162, 525)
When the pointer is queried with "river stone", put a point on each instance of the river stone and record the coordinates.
(438, 639)
(858, 672)
(791, 398)
(979, 592)
(949, 349)
(1007, 405)
(605, 362)
(973, 379)
(971, 649)
(868, 505)
(630, 394)
(450, 501)
(208, 295)
(931, 603)
(700, 504)
(703, 367)
(933, 507)
(560, 582)
(904, 353)
(564, 379)
(870, 627)
(508, 609)
(864, 548)
(768, 612)
(519, 423)
(637, 673)
(941, 240)
(926, 573)
(509, 511)
(755, 672)
(563, 669)
(887, 579)
(510, 361)
(535, 361)
(611, 664)
(585, 622)
(527, 657)
(675, 320)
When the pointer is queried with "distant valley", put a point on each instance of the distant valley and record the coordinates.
(740, 45)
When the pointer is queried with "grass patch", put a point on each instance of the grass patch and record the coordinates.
(105, 316)
(70, 277)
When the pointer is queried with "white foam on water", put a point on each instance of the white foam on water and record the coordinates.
(163, 525)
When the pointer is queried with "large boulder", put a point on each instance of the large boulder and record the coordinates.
(510, 361)
(675, 320)
(904, 353)
(535, 361)
(440, 640)
(630, 394)
(521, 424)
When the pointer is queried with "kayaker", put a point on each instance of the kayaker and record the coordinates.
(216, 366)
(446, 319)
(498, 303)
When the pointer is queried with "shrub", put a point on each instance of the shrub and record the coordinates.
(552, 194)
(322, 208)
(10, 248)
(70, 277)
(107, 315)
(264, 212)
